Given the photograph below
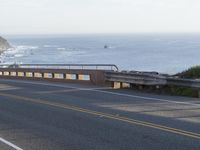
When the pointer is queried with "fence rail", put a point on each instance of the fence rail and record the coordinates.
(183, 82)
(136, 78)
(149, 78)
(63, 66)
(98, 74)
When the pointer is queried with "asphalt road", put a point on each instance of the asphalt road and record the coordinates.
(37, 115)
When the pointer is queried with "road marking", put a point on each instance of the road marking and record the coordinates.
(71, 90)
(107, 115)
(58, 91)
(106, 92)
(148, 98)
(41, 83)
(10, 144)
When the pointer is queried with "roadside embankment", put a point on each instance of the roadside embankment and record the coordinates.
(191, 73)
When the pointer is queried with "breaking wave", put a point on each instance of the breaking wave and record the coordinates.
(49, 46)
(61, 48)
(17, 52)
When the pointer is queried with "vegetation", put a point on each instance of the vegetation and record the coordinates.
(191, 73)
(183, 91)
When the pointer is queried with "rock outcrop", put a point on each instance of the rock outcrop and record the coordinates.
(4, 45)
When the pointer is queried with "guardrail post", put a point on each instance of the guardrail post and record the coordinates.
(46, 75)
(20, 74)
(125, 85)
(29, 74)
(80, 77)
(37, 75)
(13, 74)
(116, 85)
(6, 73)
(68, 76)
(57, 75)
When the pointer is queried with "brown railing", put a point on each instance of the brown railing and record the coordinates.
(63, 66)
(90, 72)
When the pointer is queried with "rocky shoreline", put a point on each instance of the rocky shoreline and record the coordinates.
(4, 45)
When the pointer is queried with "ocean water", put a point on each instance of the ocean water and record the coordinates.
(166, 53)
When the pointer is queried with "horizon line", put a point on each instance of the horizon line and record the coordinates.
(95, 33)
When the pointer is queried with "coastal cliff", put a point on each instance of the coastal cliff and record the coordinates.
(4, 45)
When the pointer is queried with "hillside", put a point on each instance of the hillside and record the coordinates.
(4, 45)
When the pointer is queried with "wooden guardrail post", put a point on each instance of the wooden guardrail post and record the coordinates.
(116, 85)
(80, 77)
(13, 73)
(125, 85)
(68, 76)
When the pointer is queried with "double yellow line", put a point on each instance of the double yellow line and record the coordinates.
(106, 115)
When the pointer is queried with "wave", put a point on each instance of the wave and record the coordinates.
(16, 52)
(61, 48)
(49, 46)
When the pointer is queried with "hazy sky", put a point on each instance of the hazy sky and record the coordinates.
(98, 16)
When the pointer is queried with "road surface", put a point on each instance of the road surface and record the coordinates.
(39, 115)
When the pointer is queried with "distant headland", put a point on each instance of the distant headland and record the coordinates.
(4, 45)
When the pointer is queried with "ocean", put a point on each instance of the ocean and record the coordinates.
(165, 53)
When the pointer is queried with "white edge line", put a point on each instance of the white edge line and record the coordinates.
(142, 97)
(10, 144)
(107, 92)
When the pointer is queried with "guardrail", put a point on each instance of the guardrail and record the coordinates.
(183, 82)
(125, 79)
(90, 72)
(136, 78)
(99, 74)
(63, 66)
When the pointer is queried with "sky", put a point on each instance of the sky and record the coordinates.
(98, 16)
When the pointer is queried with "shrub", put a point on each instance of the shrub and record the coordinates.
(191, 73)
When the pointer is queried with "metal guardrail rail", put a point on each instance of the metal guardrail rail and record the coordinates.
(150, 78)
(106, 72)
(63, 66)
(142, 78)
(183, 82)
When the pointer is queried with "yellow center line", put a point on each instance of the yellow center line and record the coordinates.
(107, 115)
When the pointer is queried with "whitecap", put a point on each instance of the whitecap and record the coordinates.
(17, 52)
(18, 55)
(49, 46)
(61, 48)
